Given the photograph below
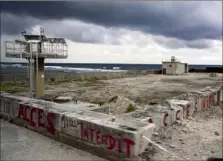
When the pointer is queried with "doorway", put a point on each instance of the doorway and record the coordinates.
(164, 70)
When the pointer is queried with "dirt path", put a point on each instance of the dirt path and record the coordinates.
(195, 139)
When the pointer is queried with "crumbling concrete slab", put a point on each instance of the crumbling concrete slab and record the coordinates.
(177, 113)
(160, 115)
(188, 107)
(116, 136)
(120, 138)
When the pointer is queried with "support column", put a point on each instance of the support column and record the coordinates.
(39, 81)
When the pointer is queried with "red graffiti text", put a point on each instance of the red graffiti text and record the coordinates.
(28, 114)
(96, 136)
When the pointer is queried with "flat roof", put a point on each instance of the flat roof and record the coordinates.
(173, 62)
(55, 40)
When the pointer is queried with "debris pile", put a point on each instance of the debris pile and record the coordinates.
(118, 105)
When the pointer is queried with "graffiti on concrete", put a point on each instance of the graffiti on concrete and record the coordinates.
(70, 122)
(110, 141)
(177, 115)
(86, 132)
(29, 113)
(188, 111)
(164, 119)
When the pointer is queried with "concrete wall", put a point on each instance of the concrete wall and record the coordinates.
(169, 67)
(180, 68)
(88, 130)
(178, 108)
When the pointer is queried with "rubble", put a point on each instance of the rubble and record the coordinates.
(118, 105)
(217, 133)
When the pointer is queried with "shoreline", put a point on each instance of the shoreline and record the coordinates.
(63, 76)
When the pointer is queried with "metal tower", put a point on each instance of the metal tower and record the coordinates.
(35, 49)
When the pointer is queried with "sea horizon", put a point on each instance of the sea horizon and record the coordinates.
(12, 67)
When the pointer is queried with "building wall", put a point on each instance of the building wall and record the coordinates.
(180, 68)
(169, 66)
(173, 68)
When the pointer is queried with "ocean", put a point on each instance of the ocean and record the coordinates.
(89, 67)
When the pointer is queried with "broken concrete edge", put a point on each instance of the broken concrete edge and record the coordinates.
(181, 107)
(111, 137)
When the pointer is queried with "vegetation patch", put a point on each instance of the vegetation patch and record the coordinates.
(11, 87)
(130, 108)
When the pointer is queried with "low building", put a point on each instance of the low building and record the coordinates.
(174, 67)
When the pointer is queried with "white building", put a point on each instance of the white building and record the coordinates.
(174, 67)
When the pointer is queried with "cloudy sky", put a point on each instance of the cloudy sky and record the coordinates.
(122, 31)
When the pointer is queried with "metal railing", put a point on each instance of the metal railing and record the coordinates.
(14, 48)
(48, 50)
(54, 49)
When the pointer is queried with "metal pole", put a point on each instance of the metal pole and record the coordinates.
(31, 71)
(37, 64)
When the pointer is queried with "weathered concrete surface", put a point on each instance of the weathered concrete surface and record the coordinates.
(61, 99)
(18, 143)
(198, 138)
(96, 132)
(181, 107)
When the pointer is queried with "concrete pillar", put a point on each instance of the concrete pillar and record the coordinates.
(39, 80)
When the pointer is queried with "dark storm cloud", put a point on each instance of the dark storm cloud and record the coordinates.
(12, 25)
(168, 19)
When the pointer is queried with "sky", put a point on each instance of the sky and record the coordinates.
(132, 32)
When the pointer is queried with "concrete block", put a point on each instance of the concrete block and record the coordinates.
(212, 95)
(213, 98)
(90, 130)
(205, 97)
(40, 118)
(161, 116)
(177, 112)
(97, 115)
(194, 98)
(8, 106)
(148, 132)
(71, 107)
(116, 137)
(188, 108)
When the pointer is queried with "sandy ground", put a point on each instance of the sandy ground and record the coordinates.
(198, 138)
(18, 143)
(142, 90)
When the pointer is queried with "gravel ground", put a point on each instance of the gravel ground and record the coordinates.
(198, 138)
(142, 90)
